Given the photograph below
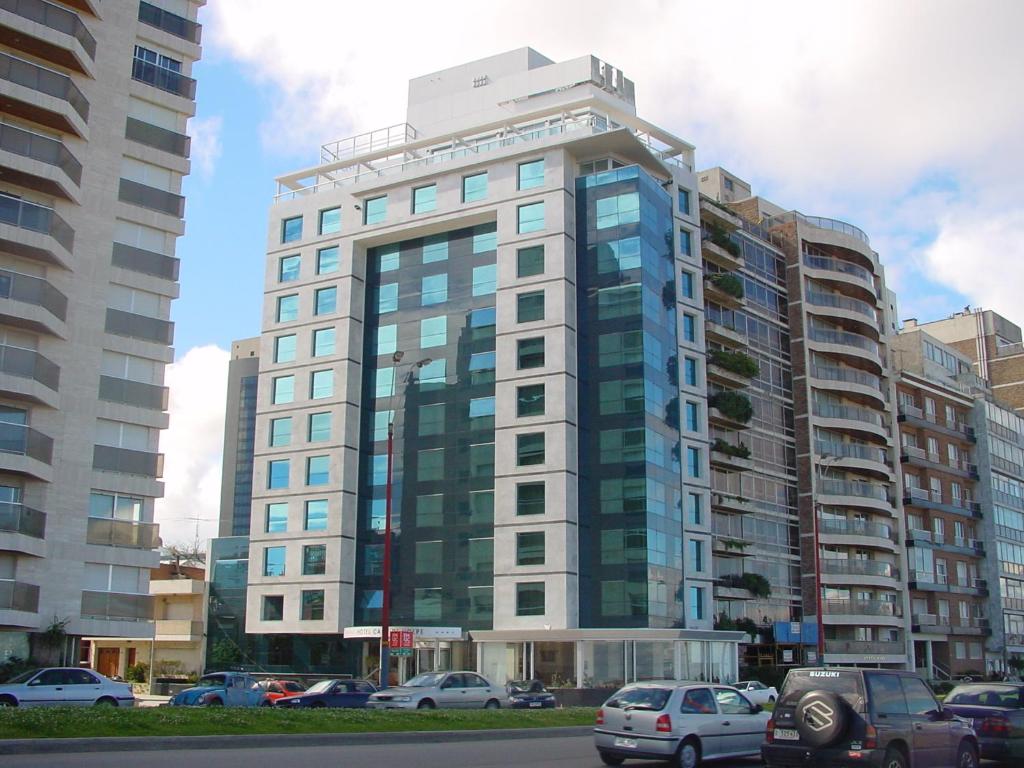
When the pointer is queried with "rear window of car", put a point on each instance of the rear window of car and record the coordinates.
(211, 681)
(845, 684)
(986, 696)
(650, 698)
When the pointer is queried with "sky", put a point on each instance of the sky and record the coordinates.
(904, 118)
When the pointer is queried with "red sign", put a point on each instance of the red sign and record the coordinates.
(400, 638)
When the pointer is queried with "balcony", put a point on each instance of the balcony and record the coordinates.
(22, 440)
(735, 458)
(148, 396)
(921, 497)
(724, 288)
(873, 568)
(837, 270)
(122, 533)
(853, 451)
(919, 457)
(60, 37)
(18, 596)
(856, 493)
(728, 546)
(716, 213)
(152, 329)
(48, 166)
(36, 291)
(42, 96)
(153, 198)
(27, 364)
(862, 608)
(926, 581)
(48, 228)
(145, 262)
(860, 528)
(107, 458)
(164, 79)
(178, 630)
(17, 518)
(855, 307)
(116, 606)
(866, 648)
(932, 624)
(914, 415)
(169, 22)
(725, 335)
(159, 138)
(725, 502)
(845, 343)
(842, 417)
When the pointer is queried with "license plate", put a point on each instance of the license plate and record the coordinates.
(787, 734)
(535, 703)
(623, 742)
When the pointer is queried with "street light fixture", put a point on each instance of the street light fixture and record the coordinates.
(385, 612)
(824, 464)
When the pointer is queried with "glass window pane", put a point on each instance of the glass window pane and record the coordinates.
(530, 261)
(485, 238)
(424, 199)
(330, 221)
(273, 608)
(433, 332)
(530, 499)
(531, 175)
(327, 260)
(435, 249)
(427, 604)
(323, 342)
(530, 449)
(684, 201)
(387, 339)
(288, 269)
(277, 474)
(277, 517)
(375, 210)
(388, 257)
(481, 507)
(686, 283)
(314, 560)
(431, 420)
(485, 279)
(530, 400)
(530, 548)
(617, 210)
(530, 352)
(318, 470)
(474, 187)
(321, 384)
(387, 298)
(291, 229)
(284, 349)
(381, 420)
(530, 307)
(481, 460)
(481, 407)
(481, 555)
(429, 557)
(531, 218)
(385, 382)
(273, 561)
(316, 515)
(312, 604)
(685, 242)
(430, 465)
(429, 511)
(284, 390)
(326, 301)
(434, 290)
(280, 431)
(433, 375)
(287, 308)
(530, 599)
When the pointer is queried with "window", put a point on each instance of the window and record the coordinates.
(530, 599)
(530, 261)
(434, 290)
(330, 221)
(481, 460)
(316, 515)
(427, 604)
(530, 218)
(434, 332)
(319, 427)
(481, 368)
(482, 321)
(485, 238)
(481, 407)
(692, 461)
(692, 414)
(323, 342)
(434, 374)
(618, 209)
(429, 511)
(381, 421)
(530, 499)
(288, 268)
(690, 371)
(280, 432)
(697, 554)
(429, 557)
(689, 327)
(277, 518)
(312, 604)
(284, 349)
(920, 700)
(686, 283)
(696, 603)
(284, 390)
(314, 560)
(530, 353)
(685, 242)
(485, 279)
(474, 187)
(375, 210)
(684, 200)
(531, 174)
(387, 298)
(326, 301)
(530, 307)
(291, 229)
(273, 608)
(277, 474)
(530, 400)
(431, 420)
(388, 257)
(287, 308)
(273, 561)
(430, 465)
(387, 339)
(327, 260)
(481, 555)
(435, 249)
(530, 548)
(424, 199)
(321, 384)
(698, 701)
(730, 702)
(693, 508)
(318, 470)
(529, 449)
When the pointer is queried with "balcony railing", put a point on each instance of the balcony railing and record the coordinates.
(862, 608)
(136, 326)
(1002, 497)
(149, 396)
(180, 628)
(865, 647)
(820, 222)
(164, 79)
(146, 262)
(834, 487)
(17, 518)
(122, 533)
(851, 451)
(828, 410)
(855, 528)
(838, 265)
(936, 497)
(46, 81)
(169, 22)
(905, 409)
(116, 605)
(822, 299)
(42, 148)
(29, 364)
(37, 218)
(844, 567)
(127, 461)
(54, 17)
(154, 198)
(843, 338)
(18, 596)
(25, 441)
(850, 375)
(33, 290)
(154, 136)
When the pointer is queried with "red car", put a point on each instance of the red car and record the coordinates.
(277, 689)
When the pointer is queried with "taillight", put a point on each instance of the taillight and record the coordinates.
(769, 732)
(600, 717)
(870, 737)
(663, 724)
(994, 726)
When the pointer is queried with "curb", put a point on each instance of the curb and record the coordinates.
(256, 740)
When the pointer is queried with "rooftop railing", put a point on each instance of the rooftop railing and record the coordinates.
(821, 222)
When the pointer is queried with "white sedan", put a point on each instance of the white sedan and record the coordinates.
(64, 686)
(757, 692)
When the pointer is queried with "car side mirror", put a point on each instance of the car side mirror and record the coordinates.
(37, 681)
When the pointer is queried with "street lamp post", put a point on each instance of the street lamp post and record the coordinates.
(385, 610)
(824, 464)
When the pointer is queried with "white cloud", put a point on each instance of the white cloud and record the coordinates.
(193, 446)
(206, 144)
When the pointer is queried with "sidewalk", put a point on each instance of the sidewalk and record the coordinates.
(145, 700)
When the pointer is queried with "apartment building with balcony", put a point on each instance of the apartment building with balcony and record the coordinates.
(94, 99)
(520, 242)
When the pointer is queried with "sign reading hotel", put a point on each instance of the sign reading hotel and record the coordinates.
(419, 633)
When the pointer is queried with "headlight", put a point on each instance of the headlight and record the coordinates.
(202, 698)
(402, 698)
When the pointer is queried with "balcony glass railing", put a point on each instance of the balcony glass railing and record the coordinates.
(127, 461)
(54, 17)
(33, 290)
(17, 518)
(22, 440)
(862, 607)
(851, 451)
(154, 136)
(859, 568)
(855, 528)
(42, 148)
(122, 533)
(143, 327)
(843, 338)
(838, 265)
(18, 596)
(912, 411)
(848, 375)
(835, 301)
(45, 81)
(29, 364)
(866, 647)
(153, 198)
(828, 410)
(163, 78)
(169, 22)
(116, 605)
(37, 218)
(835, 487)
(148, 396)
(146, 262)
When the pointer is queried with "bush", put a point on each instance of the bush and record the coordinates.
(728, 283)
(757, 585)
(737, 362)
(137, 673)
(740, 451)
(733, 405)
(720, 237)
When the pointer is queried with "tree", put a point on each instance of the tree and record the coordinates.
(186, 554)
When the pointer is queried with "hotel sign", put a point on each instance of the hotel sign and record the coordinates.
(419, 633)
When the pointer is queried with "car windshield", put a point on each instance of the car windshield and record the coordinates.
(650, 698)
(845, 684)
(320, 687)
(24, 677)
(429, 680)
(526, 686)
(292, 687)
(986, 695)
(211, 681)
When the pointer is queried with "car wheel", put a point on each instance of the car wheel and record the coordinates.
(610, 759)
(426, 704)
(966, 756)
(215, 703)
(894, 759)
(492, 704)
(8, 701)
(106, 701)
(771, 699)
(266, 703)
(688, 755)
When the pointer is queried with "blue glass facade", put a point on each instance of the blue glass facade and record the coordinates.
(631, 568)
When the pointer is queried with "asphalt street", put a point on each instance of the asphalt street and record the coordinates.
(565, 752)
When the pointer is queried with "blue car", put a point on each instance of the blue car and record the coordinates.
(332, 693)
(223, 689)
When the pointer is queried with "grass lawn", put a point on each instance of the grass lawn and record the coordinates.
(73, 722)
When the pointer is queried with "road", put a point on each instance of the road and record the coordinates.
(566, 752)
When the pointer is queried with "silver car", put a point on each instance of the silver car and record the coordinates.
(63, 687)
(683, 722)
(458, 690)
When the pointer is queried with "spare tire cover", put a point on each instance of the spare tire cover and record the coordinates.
(820, 718)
